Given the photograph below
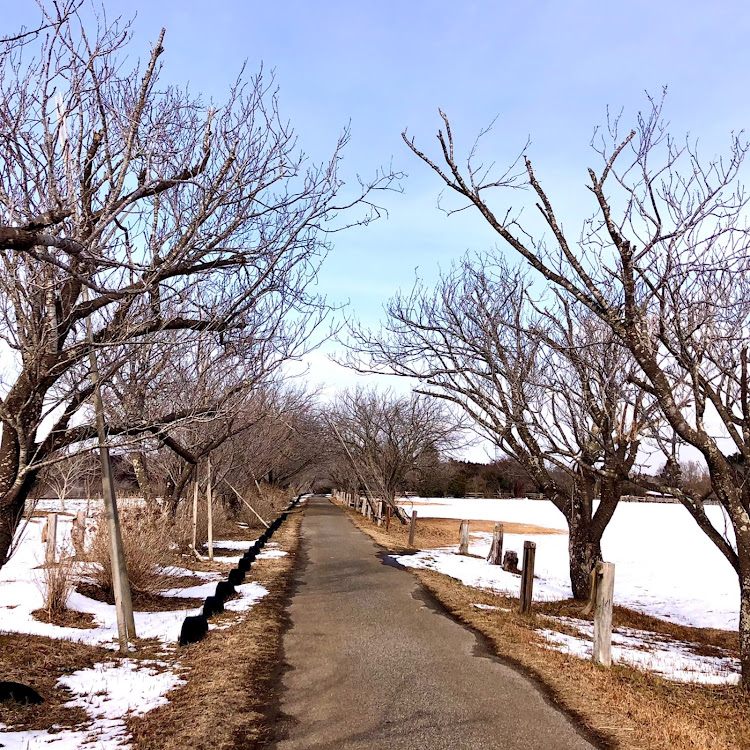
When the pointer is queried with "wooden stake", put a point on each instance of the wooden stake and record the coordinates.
(412, 528)
(527, 576)
(463, 543)
(195, 509)
(120, 583)
(496, 551)
(388, 518)
(379, 517)
(50, 555)
(605, 588)
(210, 511)
(78, 533)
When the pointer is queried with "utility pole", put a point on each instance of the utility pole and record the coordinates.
(120, 584)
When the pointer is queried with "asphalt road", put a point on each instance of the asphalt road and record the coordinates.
(373, 665)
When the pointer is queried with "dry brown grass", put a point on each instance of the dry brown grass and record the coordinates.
(57, 584)
(442, 532)
(40, 662)
(627, 708)
(232, 673)
(145, 539)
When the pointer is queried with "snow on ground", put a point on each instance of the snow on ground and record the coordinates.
(232, 544)
(108, 692)
(472, 571)
(250, 594)
(673, 659)
(21, 594)
(665, 565)
(271, 554)
(112, 690)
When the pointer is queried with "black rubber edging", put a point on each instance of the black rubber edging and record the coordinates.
(195, 627)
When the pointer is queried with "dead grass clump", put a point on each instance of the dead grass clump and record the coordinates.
(57, 583)
(146, 541)
(181, 528)
(40, 662)
(68, 618)
(268, 503)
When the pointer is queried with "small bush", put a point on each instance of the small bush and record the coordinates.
(181, 525)
(146, 539)
(57, 585)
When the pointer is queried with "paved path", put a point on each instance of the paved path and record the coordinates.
(373, 666)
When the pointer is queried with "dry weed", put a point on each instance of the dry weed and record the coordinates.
(56, 584)
(148, 551)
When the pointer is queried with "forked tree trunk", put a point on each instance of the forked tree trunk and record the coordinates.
(584, 551)
(13, 492)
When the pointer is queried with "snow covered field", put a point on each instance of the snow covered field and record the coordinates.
(112, 690)
(665, 565)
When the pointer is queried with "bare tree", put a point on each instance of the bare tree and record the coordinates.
(138, 207)
(663, 262)
(73, 471)
(386, 435)
(548, 387)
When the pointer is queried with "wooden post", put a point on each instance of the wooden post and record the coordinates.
(527, 576)
(496, 550)
(412, 528)
(120, 583)
(379, 517)
(195, 510)
(210, 510)
(463, 540)
(78, 533)
(50, 554)
(365, 506)
(605, 588)
(388, 518)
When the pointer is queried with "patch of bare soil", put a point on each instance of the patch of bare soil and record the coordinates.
(40, 662)
(232, 673)
(629, 709)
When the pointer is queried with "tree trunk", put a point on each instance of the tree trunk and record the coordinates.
(584, 551)
(141, 475)
(13, 493)
(745, 628)
(584, 542)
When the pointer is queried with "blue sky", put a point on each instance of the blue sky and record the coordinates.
(546, 70)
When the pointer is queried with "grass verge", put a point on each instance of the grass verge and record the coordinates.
(629, 709)
(231, 674)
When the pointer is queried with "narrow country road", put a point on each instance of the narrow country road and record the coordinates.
(373, 666)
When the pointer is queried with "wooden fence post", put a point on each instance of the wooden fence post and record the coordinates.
(412, 528)
(463, 543)
(195, 511)
(496, 550)
(527, 576)
(78, 533)
(388, 518)
(50, 555)
(210, 511)
(605, 588)
(379, 517)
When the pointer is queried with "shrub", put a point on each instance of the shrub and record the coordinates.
(146, 539)
(57, 585)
